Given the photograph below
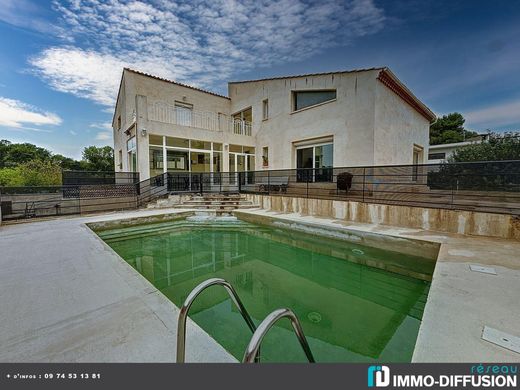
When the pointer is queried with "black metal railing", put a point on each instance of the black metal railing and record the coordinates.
(30, 202)
(481, 186)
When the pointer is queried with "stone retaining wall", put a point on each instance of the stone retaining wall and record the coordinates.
(442, 220)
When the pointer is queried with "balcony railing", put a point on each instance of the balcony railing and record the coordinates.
(167, 113)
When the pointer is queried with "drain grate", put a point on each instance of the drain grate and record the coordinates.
(501, 339)
(484, 270)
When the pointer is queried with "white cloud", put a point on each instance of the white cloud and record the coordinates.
(86, 74)
(196, 42)
(106, 133)
(104, 126)
(103, 136)
(72, 132)
(15, 114)
(504, 114)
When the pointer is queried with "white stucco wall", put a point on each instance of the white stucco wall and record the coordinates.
(349, 119)
(398, 127)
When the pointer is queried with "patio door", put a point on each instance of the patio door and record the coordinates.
(314, 163)
(240, 162)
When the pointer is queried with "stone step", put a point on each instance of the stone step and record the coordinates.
(217, 202)
(216, 207)
(210, 198)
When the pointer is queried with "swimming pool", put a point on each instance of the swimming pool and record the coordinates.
(351, 308)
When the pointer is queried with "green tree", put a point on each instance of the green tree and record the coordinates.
(10, 177)
(67, 163)
(40, 173)
(498, 147)
(448, 129)
(99, 158)
(15, 154)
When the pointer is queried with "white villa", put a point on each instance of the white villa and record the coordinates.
(337, 119)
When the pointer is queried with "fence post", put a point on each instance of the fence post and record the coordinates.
(307, 175)
(268, 182)
(452, 189)
(240, 182)
(364, 175)
(200, 184)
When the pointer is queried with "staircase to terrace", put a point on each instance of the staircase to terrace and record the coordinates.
(221, 203)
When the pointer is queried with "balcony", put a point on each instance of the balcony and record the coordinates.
(167, 113)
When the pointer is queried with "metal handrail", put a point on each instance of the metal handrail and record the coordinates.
(181, 327)
(250, 356)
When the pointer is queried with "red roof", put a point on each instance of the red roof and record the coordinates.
(174, 82)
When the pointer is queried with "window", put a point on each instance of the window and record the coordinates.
(303, 99)
(120, 159)
(246, 115)
(178, 142)
(242, 121)
(155, 139)
(265, 109)
(436, 156)
(131, 144)
(131, 147)
(119, 122)
(241, 149)
(183, 113)
(176, 160)
(200, 162)
(265, 156)
(200, 145)
(315, 163)
(156, 161)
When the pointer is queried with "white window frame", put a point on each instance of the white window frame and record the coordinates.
(265, 109)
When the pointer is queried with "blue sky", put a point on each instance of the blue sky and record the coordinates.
(60, 61)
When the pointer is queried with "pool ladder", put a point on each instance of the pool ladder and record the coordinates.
(252, 353)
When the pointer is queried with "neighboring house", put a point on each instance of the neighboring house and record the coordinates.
(352, 118)
(440, 153)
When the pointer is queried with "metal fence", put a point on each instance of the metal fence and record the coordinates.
(482, 186)
(81, 178)
(31, 202)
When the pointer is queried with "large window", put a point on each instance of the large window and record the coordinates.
(177, 161)
(315, 163)
(156, 161)
(303, 99)
(171, 154)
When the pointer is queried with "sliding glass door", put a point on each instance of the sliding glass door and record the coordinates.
(315, 163)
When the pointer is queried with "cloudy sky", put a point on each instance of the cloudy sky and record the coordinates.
(61, 61)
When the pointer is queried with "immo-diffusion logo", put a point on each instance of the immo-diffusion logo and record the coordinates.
(479, 376)
(378, 376)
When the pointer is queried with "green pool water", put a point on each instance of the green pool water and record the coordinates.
(350, 311)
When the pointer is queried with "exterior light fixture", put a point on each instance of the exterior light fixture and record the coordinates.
(143, 132)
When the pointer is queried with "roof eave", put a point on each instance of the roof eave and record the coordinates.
(391, 81)
(306, 75)
(175, 82)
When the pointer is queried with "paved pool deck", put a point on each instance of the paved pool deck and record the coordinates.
(65, 296)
